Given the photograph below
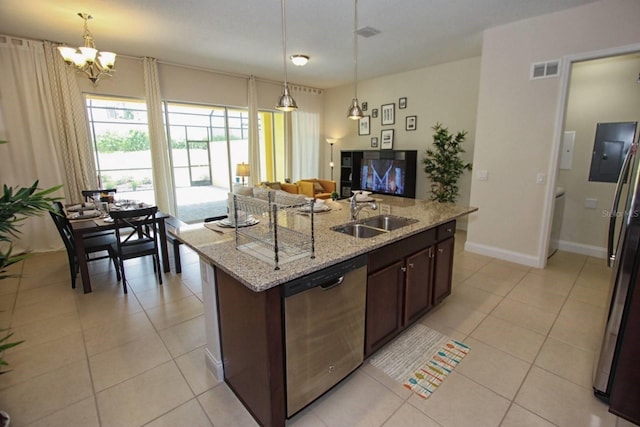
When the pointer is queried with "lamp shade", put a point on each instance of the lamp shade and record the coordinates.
(242, 169)
(355, 112)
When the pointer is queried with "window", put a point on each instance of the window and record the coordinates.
(120, 138)
(205, 143)
(272, 148)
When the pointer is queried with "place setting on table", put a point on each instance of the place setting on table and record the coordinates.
(99, 211)
(228, 223)
(317, 205)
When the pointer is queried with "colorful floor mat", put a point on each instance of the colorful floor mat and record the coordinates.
(420, 359)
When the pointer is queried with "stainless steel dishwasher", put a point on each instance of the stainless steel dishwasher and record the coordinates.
(324, 329)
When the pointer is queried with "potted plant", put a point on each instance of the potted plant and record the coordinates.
(443, 165)
(15, 207)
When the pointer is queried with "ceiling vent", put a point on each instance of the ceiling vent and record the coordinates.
(542, 70)
(367, 32)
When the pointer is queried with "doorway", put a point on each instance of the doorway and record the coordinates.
(599, 89)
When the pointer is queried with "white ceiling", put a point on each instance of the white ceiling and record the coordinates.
(244, 36)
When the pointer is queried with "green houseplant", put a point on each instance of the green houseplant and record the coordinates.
(15, 207)
(443, 165)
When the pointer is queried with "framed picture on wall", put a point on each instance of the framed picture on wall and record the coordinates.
(388, 114)
(386, 139)
(411, 123)
(402, 103)
(374, 113)
(363, 125)
(374, 142)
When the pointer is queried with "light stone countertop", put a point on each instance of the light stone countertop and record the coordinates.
(331, 247)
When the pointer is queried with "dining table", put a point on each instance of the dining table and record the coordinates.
(81, 227)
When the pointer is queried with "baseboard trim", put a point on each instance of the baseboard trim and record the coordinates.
(582, 249)
(214, 366)
(517, 257)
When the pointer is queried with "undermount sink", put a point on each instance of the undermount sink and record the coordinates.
(388, 222)
(374, 226)
(358, 230)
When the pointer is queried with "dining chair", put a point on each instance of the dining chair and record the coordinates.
(92, 244)
(136, 236)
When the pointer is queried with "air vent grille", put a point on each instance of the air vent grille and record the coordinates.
(542, 70)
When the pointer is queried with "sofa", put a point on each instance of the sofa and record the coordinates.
(280, 196)
(284, 186)
(317, 188)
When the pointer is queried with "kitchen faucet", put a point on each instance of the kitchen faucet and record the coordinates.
(354, 209)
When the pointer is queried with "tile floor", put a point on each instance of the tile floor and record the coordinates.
(109, 359)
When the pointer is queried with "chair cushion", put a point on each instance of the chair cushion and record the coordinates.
(318, 188)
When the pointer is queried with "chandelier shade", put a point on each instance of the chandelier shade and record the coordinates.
(87, 58)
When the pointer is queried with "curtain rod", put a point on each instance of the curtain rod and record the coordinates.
(193, 67)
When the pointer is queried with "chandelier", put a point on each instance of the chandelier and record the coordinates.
(87, 58)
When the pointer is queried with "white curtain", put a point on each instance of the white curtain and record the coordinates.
(74, 147)
(305, 130)
(254, 138)
(28, 117)
(304, 144)
(162, 176)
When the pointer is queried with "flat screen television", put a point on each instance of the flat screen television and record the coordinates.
(388, 172)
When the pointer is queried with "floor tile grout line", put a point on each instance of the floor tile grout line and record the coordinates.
(533, 363)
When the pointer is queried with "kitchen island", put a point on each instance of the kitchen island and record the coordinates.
(408, 272)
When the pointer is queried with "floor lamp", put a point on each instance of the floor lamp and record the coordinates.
(331, 141)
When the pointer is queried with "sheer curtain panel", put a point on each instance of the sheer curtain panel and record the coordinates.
(28, 115)
(162, 176)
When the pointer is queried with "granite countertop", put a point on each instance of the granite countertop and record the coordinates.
(330, 247)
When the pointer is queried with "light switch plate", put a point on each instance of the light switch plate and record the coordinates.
(590, 203)
(483, 175)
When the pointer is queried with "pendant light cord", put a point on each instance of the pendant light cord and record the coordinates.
(355, 50)
(284, 44)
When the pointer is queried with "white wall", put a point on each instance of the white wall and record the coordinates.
(446, 93)
(516, 123)
(602, 90)
(181, 83)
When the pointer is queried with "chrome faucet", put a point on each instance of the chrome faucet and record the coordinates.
(354, 209)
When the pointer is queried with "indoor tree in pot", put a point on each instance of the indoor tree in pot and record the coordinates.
(443, 165)
(15, 206)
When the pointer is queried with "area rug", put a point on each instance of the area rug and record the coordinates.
(420, 359)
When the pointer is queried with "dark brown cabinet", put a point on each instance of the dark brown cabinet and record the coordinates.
(405, 280)
(384, 306)
(418, 285)
(443, 270)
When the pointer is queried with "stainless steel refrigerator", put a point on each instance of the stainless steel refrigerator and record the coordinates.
(624, 259)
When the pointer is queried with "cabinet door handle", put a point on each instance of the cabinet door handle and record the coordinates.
(449, 230)
(403, 269)
(440, 250)
(410, 265)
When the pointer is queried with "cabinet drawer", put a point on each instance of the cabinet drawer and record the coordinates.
(446, 230)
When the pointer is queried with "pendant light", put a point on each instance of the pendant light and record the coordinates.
(355, 112)
(286, 101)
